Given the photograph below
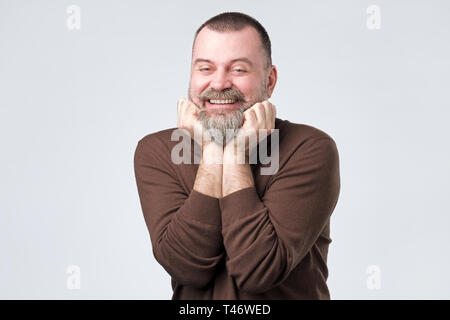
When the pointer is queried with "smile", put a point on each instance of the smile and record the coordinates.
(228, 101)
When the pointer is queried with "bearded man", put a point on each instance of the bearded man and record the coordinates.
(221, 228)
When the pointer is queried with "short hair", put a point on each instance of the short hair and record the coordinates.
(235, 21)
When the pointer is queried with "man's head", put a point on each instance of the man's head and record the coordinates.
(231, 69)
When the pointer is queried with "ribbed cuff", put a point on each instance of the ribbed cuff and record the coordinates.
(203, 208)
(240, 204)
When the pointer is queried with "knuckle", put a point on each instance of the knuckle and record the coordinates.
(256, 105)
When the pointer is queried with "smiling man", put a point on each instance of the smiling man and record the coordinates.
(221, 228)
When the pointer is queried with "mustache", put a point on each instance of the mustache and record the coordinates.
(226, 94)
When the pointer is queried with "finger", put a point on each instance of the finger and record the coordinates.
(269, 114)
(179, 111)
(185, 115)
(250, 118)
(188, 110)
(192, 107)
(261, 115)
(192, 104)
(178, 107)
(273, 112)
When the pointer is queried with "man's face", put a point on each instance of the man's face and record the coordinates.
(228, 76)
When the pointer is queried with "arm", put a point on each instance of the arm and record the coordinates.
(237, 175)
(209, 175)
(185, 229)
(266, 238)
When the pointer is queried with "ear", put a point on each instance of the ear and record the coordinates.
(271, 80)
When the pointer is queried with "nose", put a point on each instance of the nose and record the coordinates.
(221, 80)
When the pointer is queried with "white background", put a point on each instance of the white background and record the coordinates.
(74, 103)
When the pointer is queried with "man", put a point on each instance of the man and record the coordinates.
(220, 228)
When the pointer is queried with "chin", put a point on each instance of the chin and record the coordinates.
(221, 113)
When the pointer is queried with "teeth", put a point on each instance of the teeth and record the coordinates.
(229, 101)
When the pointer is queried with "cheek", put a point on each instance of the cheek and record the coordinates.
(249, 87)
(198, 86)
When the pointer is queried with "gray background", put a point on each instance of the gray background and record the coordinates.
(74, 103)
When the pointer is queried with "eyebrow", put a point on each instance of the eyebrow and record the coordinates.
(243, 59)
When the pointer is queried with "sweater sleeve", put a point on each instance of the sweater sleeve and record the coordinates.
(265, 239)
(185, 229)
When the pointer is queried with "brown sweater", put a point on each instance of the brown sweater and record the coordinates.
(264, 242)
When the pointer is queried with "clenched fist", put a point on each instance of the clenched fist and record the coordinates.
(258, 119)
(261, 116)
(188, 119)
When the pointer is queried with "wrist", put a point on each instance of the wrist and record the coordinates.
(212, 153)
(235, 152)
(236, 177)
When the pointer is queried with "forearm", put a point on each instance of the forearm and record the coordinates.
(209, 175)
(185, 229)
(236, 176)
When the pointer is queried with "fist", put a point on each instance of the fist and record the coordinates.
(188, 119)
(261, 116)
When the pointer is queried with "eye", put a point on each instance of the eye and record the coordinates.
(239, 70)
(205, 69)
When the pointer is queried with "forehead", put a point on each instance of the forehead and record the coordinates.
(221, 47)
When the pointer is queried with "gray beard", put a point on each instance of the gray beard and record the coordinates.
(222, 127)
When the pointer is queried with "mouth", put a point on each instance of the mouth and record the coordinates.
(221, 104)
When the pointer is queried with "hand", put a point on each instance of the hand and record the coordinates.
(188, 119)
(261, 116)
